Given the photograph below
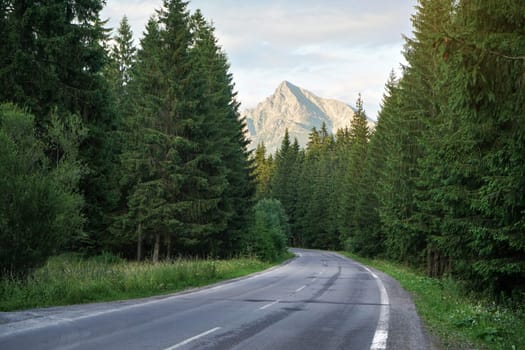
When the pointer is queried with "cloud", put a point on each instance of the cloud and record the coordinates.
(335, 48)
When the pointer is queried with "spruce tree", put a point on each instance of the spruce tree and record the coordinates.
(353, 177)
(223, 143)
(122, 57)
(284, 184)
(189, 162)
(477, 184)
(262, 172)
(52, 58)
(316, 191)
(371, 226)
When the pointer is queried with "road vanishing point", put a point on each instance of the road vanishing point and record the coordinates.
(319, 300)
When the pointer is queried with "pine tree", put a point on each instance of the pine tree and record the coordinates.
(262, 172)
(188, 162)
(284, 184)
(476, 186)
(371, 227)
(150, 157)
(223, 143)
(411, 107)
(354, 180)
(316, 190)
(52, 58)
(122, 57)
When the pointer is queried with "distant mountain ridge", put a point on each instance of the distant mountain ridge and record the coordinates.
(297, 109)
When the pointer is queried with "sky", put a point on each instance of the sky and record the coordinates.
(333, 48)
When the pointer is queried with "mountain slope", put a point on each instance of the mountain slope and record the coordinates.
(298, 110)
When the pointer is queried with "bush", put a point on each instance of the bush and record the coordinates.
(39, 204)
(270, 230)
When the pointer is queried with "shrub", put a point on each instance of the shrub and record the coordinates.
(39, 204)
(270, 230)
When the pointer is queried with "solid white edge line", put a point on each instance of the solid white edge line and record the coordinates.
(59, 319)
(189, 340)
(381, 334)
(268, 305)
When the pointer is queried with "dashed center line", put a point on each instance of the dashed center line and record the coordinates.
(300, 289)
(268, 305)
(189, 340)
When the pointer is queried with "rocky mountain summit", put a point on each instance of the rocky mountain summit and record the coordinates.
(298, 110)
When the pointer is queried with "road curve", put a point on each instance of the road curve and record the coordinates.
(320, 300)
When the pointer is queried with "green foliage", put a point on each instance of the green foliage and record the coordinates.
(353, 199)
(122, 57)
(145, 148)
(147, 143)
(185, 165)
(316, 190)
(263, 172)
(449, 173)
(270, 231)
(460, 320)
(51, 57)
(71, 279)
(284, 176)
(439, 183)
(39, 201)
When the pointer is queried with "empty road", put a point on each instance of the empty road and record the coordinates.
(319, 300)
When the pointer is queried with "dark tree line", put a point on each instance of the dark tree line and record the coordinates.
(106, 146)
(439, 184)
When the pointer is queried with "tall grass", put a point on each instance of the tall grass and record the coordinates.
(461, 320)
(69, 279)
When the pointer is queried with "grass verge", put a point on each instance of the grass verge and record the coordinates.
(459, 321)
(69, 279)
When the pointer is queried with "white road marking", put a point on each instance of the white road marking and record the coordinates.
(300, 289)
(268, 305)
(381, 334)
(189, 340)
(41, 321)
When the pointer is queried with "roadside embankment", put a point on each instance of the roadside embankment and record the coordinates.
(458, 319)
(70, 279)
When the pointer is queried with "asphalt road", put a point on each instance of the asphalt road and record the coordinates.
(319, 300)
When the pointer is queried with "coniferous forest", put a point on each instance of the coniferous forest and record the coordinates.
(140, 150)
(439, 184)
(108, 147)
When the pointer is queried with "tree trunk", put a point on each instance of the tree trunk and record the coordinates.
(168, 248)
(156, 248)
(139, 242)
(429, 262)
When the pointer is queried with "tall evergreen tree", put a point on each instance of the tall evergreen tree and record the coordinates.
(223, 143)
(475, 190)
(122, 57)
(189, 163)
(371, 241)
(316, 191)
(284, 184)
(354, 177)
(263, 167)
(52, 57)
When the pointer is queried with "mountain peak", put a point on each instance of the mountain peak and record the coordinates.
(285, 84)
(298, 110)
(288, 89)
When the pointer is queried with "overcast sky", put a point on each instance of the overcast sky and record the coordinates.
(334, 48)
